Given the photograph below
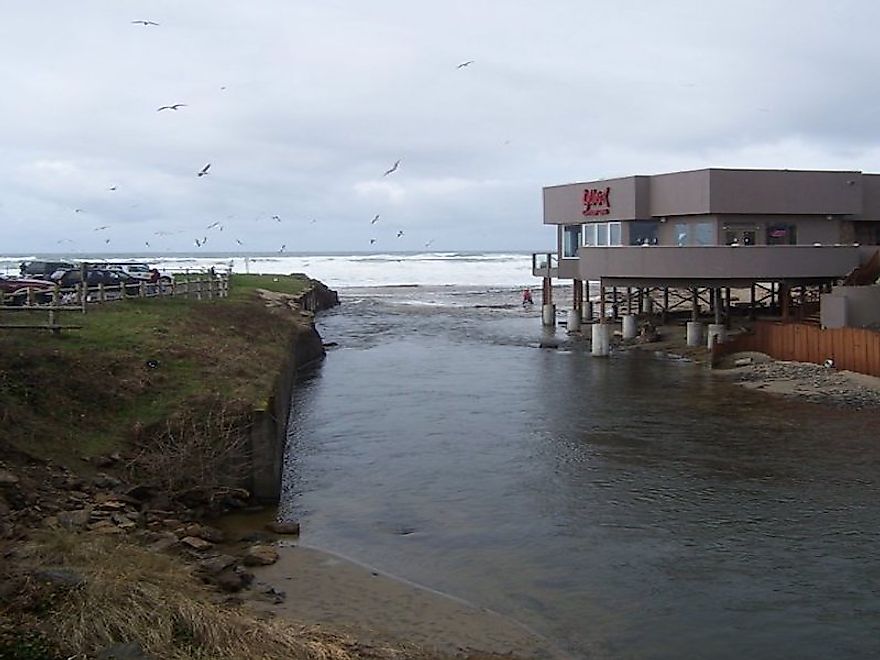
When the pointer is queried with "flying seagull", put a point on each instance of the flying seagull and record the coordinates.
(239, 242)
(145, 23)
(372, 240)
(77, 210)
(212, 225)
(464, 64)
(429, 243)
(393, 168)
(101, 228)
(282, 248)
(204, 170)
(107, 241)
(112, 188)
(173, 106)
(399, 233)
(276, 218)
(147, 243)
(375, 220)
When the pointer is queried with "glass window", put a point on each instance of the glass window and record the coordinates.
(602, 233)
(680, 233)
(589, 235)
(781, 235)
(703, 233)
(614, 233)
(571, 239)
(643, 232)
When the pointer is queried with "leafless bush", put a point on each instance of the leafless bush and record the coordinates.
(202, 450)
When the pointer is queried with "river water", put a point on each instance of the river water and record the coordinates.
(634, 507)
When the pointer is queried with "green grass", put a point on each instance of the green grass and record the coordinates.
(292, 284)
(88, 391)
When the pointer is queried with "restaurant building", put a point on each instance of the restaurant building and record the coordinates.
(700, 233)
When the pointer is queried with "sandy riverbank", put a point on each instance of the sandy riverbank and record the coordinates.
(803, 380)
(326, 590)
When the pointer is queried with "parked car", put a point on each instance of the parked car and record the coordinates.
(15, 289)
(142, 272)
(96, 276)
(42, 269)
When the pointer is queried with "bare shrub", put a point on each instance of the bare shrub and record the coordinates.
(203, 450)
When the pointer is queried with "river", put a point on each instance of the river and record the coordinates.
(631, 507)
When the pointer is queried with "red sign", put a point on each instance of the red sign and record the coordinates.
(597, 201)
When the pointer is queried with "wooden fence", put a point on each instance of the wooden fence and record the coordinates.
(855, 349)
(197, 286)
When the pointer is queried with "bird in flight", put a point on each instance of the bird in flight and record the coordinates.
(239, 242)
(372, 240)
(147, 243)
(464, 64)
(212, 225)
(200, 243)
(204, 170)
(173, 106)
(111, 188)
(399, 233)
(145, 23)
(313, 221)
(429, 243)
(107, 241)
(375, 220)
(77, 210)
(393, 168)
(282, 248)
(276, 218)
(101, 228)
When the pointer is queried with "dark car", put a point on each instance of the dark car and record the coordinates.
(111, 279)
(15, 289)
(42, 269)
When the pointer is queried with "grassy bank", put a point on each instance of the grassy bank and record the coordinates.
(134, 363)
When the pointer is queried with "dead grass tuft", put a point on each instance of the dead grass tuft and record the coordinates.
(202, 447)
(132, 594)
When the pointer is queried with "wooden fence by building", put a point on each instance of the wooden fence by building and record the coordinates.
(855, 349)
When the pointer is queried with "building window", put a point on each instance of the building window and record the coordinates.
(643, 232)
(694, 233)
(740, 234)
(614, 233)
(571, 239)
(781, 234)
(603, 234)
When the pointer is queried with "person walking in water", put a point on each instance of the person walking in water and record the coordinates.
(527, 297)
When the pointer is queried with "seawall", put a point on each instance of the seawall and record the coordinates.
(268, 433)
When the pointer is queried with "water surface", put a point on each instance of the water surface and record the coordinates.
(633, 507)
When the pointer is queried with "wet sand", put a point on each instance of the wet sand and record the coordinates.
(324, 589)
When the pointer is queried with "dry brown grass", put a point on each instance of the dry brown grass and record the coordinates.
(132, 594)
(202, 447)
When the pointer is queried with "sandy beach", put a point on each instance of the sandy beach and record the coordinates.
(324, 589)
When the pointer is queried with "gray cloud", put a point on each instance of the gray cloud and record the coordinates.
(300, 108)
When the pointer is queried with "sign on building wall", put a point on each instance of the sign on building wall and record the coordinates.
(597, 201)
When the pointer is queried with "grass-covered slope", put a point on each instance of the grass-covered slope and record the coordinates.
(134, 363)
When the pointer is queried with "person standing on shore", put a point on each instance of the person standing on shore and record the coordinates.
(527, 297)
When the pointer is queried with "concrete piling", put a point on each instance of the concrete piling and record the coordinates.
(694, 333)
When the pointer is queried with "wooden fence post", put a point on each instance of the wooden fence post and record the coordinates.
(142, 289)
(101, 295)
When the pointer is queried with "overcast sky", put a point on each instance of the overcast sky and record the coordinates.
(300, 106)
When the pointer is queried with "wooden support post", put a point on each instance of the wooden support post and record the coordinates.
(695, 304)
(142, 289)
(664, 317)
(56, 295)
(752, 302)
(727, 306)
(30, 296)
(615, 306)
(102, 297)
(641, 300)
(601, 301)
(784, 300)
(628, 301)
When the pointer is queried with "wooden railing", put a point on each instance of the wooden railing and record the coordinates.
(855, 349)
(198, 286)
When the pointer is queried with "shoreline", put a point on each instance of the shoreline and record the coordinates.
(333, 590)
